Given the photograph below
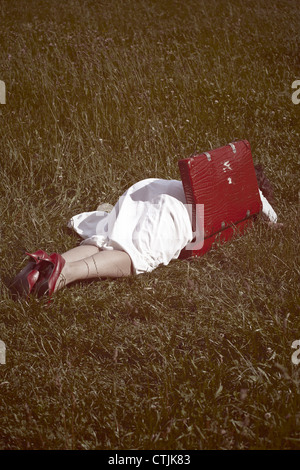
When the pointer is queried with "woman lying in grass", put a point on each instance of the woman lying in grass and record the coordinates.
(148, 226)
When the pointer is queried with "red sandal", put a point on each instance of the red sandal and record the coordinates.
(25, 280)
(49, 270)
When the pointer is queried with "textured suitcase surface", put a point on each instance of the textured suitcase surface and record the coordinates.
(224, 180)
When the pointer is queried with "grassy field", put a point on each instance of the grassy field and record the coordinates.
(198, 354)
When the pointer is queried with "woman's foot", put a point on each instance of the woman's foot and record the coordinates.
(50, 275)
(25, 281)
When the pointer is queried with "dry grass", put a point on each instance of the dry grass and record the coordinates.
(196, 355)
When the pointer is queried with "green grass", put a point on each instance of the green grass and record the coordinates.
(196, 355)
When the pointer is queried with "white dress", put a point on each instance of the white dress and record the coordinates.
(150, 222)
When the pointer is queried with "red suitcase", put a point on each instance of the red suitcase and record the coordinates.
(224, 182)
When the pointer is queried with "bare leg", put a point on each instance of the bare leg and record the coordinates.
(112, 263)
(80, 252)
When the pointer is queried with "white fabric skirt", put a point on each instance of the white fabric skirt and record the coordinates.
(150, 222)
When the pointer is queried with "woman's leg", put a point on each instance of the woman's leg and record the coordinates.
(95, 264)
(80, 252)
